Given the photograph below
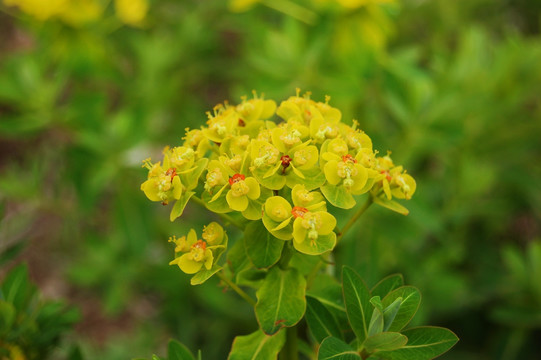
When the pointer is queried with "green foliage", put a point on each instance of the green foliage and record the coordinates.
(30, 328)
(451, 87)
(377, 335)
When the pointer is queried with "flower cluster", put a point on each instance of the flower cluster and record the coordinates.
(285, 172)
(80, 12)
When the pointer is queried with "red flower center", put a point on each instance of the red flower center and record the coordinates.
(171, 172)
(349, 158)
(236, 178)
(241, 123)
(200, 244)
(299, 211)
(387, 175)
(286, 160)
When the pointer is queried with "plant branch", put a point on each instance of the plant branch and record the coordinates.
(237, 289)
(354, 218)
(224, 217)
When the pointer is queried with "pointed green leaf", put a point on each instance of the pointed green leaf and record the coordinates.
(7, 316)
(263, 249)
(257, 346)
(424, 343)
(321, 322)
(390, 312)
(177, 351)
(386, 285)
(191, 179)
(204, 275)
(385, 341)
(338, 196)
(180, 204)
(411, 299)
(336, 349)
(357, 300)
(219, 205)
(280, 300)
(391, 205)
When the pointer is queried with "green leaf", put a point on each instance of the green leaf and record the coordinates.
(180, 204)
(17, 289)
(191, 179)
(251, 277)
(391, 205)
(385, 341)
(274, 182)
(7, 316)
(263, 249)
(321, 322)
(424, 343)
(204, 275)
(338, 196)
(386, 285)
(257, 346)
(357, 300)
(336, 349)
(219, 206)
(411, 299)
(313, 178)
(390, 312)
(323, 244)
(177, 351)
(328, 291)
(280, 300)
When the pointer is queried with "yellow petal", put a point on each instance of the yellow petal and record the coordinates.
(299, 232)
(238, 203)
(331, 172)
(283, 224)
(255, 191)
(277, 208)
(177, 188)
(188, 265)
(327, 221)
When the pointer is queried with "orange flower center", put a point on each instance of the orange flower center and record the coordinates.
(299, 211)
(236, 178)
(200, 244)
(387, 175)
(171, 172)
(348, 158)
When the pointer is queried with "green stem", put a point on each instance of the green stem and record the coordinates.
(290, 351)
(224, 217)
(354, 218)
(237, 289)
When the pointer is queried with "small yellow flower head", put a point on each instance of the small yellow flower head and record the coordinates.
(131, 12)
(182, 244)
(264, 154)
(198, 257)
(346, 172)
(216, 175)
(180, 157)
(222, 124)
(242, 189)
(256, 109)
(313, 231)
(213, 234)
(162, 185)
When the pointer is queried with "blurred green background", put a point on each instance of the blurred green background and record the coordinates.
(89, 88)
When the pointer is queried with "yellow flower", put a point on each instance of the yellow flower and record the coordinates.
(313, 231)
(213, 234)
(131, 12)
(198, 257)
(242, 189)
(162, 185)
